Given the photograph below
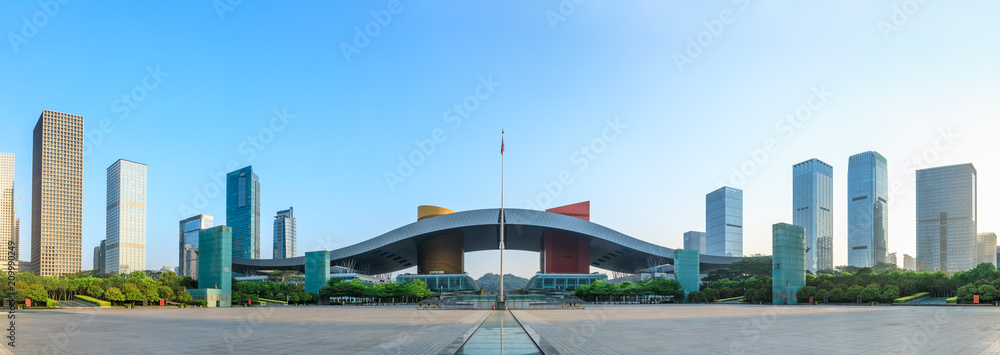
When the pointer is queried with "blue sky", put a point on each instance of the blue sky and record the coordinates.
(209, 88)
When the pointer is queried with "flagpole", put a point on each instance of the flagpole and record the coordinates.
(502, 221)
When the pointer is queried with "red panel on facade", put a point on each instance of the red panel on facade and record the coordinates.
(579, 210)
(564, 254)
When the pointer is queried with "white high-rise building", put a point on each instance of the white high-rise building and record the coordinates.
(694, 241)
(724, 222)
(57, 194)
(8, 209)
(986, 244)
(126, 224)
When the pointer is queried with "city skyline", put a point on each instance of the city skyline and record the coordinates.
(604, 103)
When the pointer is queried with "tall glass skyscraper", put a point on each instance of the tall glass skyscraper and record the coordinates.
(126, 223)
(187, 256)
(867, 209)
(724, 222)
(243, 212)
(986, 244)
(812, 209)
(56, 194)
(946, 218)
(8, 210)
(284, 234)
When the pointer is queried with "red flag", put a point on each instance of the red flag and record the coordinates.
(501, 145)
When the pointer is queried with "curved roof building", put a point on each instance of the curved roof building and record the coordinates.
(565, 238)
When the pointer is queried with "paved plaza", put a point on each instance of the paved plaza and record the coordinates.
(684, 329)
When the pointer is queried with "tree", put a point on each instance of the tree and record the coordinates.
(871, 293)
(95, 291)
(150, 291)
(988, 293)
(804, 293)
(113, 294)
(183, 296)
(132, 292)
(166, 293)
(889, 293)
(169, 279)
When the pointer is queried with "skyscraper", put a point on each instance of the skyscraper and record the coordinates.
(724, 222)
(986, 244)
(126, 221)
(56, 194)
(8, 210)
(99, 256)
(946, 218)
(812, 209)
(909, 262)
(243, 212)
(695, 241)
(284, 234)
(867, 209)
(187, 256)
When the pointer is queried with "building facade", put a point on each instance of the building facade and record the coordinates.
(986, 244)
(8, 209)
(215, 267)
(687, 270)
(812, 209)
(724, 222)
(56, 194)
(891, 259)
(788, 262)
(695, 241)
(946, 218)
(126, 218)
(100, 256)
(867, 209)
(285, 234)
(187, 252)
(243, 212)
(909, 262)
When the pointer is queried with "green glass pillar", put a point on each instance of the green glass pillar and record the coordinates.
(788, 262)
(317, 271)
(686, 268)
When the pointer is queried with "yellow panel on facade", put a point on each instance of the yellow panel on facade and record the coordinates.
(425, 212)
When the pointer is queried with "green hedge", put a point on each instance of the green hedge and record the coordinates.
(952, 300)
(740, 298)
(51, 303)
(98, 302)
(275, 301)
(911, 297)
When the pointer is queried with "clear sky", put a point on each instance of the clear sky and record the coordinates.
(665, 99)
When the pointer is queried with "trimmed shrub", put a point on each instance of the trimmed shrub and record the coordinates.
(952, 300)
(910, 297)
(98, 302)
(51, 303)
